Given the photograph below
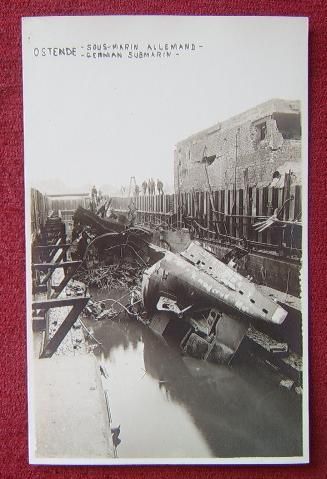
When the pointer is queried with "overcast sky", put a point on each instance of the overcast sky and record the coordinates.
(101, 121)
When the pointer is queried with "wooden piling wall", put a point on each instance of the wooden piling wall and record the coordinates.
(39, 211)
(228, 215)
(68, 203)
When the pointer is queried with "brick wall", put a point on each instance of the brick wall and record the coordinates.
(237, 143)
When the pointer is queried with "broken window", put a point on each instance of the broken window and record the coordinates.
(289, 125)
(262, 130)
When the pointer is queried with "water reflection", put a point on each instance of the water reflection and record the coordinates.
(173, 406)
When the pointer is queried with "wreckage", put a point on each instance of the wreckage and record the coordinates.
(116, 224)
(195, 279)
(192, 287)
(110, 233)
(216, 300)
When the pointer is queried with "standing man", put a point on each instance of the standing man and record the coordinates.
(153, 187)
(82, 245)
(132, 213)
(160, 186)
(144, 186)
(94, 198)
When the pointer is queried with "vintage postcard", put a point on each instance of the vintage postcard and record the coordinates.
(166, 166)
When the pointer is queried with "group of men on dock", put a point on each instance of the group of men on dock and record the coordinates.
(150, 187)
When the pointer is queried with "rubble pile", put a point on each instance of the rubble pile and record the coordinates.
(110, 276)
(98, 311)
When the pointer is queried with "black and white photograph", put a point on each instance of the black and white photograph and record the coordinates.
(166, 169)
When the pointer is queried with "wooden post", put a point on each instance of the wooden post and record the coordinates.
(260, 209)
(270, 211)
(248, 212)
(297, 217)
(239, 219)
(209, 211)
(217, 217)
(292, 203)
(280, 200)
(241, 212)
(298, 204)
(254, 209)
(233, 211)
(275, 232)
(230, 212)
(287, 194)
(226, 199)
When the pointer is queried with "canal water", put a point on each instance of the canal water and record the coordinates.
(171, 406)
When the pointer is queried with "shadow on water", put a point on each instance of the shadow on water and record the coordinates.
(234, 411)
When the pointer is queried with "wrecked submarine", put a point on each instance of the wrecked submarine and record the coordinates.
(194, 279)
(216, 300)
(208, 299)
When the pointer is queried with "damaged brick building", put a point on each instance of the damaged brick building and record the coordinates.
(253, 148)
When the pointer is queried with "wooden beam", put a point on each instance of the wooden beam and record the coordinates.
(67, 277)
(43, 266)
(77, 303)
